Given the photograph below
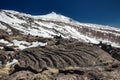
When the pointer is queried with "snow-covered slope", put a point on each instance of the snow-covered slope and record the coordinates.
(55, 24)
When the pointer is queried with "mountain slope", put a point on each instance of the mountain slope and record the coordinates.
(55, 24)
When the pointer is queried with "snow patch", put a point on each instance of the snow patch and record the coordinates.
(23, 44)
(1, 47)
(35, 44)
(4, 41)
(11, 63)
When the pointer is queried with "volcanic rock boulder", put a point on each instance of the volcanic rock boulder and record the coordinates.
(72, 60)
(60, 56)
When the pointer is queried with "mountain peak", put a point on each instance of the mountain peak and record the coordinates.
(53, 16)
(53, 13)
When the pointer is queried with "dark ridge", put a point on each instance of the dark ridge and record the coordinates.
(8, 48)
(18, 68)
(72, 72)
(14, 31)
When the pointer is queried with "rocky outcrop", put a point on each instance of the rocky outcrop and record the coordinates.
(67, 56)
(61, 59)
(3, 34)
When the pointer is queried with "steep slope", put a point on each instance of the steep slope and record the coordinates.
(55, 24)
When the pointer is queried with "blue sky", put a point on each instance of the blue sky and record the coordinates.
(106, 12)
